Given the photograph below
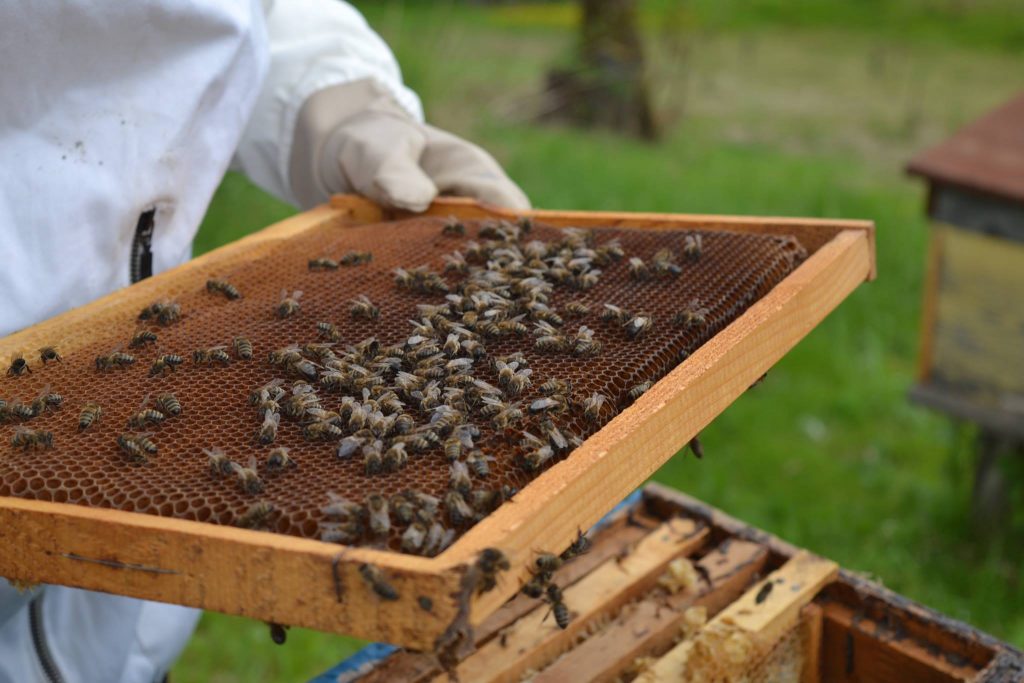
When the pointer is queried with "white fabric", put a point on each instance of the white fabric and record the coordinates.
(307, 56)
(117, 107)
(109, 108)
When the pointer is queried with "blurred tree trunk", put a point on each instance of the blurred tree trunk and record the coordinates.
(609, 88)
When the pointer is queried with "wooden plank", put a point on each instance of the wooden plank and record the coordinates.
(576, 492)
(535, 639)
(612, 540)
(756, 620)
(573, 494)
(224, 569)
(812, 622)
(654, 623)
(858, 649)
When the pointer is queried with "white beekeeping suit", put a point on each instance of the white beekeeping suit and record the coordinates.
(117, 122)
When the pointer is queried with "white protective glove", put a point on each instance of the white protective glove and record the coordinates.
(354, 137)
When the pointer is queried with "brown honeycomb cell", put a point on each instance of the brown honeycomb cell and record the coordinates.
(87, 468)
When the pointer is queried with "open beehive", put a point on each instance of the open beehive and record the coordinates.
(762, 296)
(672, 589)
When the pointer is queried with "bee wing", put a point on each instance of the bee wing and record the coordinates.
(297, 293)
(252, 463)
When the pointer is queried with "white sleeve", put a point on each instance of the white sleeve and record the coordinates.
(314, 44)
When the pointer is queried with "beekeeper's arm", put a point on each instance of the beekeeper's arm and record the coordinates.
(334, 116)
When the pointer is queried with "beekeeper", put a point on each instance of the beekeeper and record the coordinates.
(117, 122)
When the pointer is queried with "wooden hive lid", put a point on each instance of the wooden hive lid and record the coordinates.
(987, 155)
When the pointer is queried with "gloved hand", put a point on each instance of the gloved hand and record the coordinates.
(355, 138)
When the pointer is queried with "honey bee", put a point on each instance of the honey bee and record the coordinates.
(609, 251)
(278, 459)
(347, 532)
(137, 447)
(584, 344)
(373, 461)
(289, 305)
(664, 263)
(257, 516)
(377, 511)
(578, 547)
(396, 457)
(356, 258)
(402, 508)
(224, 287)
(536, 458)
(31, 439)
(455, 262)
(638, 325)
(117, 359)
(577, 309)
(167, 361)
(19, 410)
(458, 477)
(459, 512)
(453, 227)
(362, 307)
(505, 415)
(141, 338)
(214, 354)
(438, 538)
(145, 416)
(547, 563)
(555, 403)
(554, 435)
(592, 406)
(267, 432)
(638, 270)
(551, 343)
(218, 462)
(164, 313)
(271, 390)
(243, 348)
(46, 399)
(474, 348)
(558, 608)
(168, 404)
(321, 430)
(49, 353)
(375, 577)
(328, 331)
(638, 390)
(340, 507)
(490, 561)
(248, 478)
(413, 538)
(614, 314)
(323, 263)
(91, 412)
(693, 315)
(534, 588)
(693, 246)
(478, 462)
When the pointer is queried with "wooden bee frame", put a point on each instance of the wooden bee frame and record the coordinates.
(312, 584)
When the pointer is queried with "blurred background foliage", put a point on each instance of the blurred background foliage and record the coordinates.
(772, 107)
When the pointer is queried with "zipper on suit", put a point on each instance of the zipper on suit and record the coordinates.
(141, 265)
(46, 661)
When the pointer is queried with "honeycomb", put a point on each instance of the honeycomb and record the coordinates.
(88, 468)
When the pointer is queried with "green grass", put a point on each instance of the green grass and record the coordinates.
(784, 109)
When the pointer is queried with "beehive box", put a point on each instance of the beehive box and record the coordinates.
(79, 515)
(672, 589)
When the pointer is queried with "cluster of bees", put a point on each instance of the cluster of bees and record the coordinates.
(24, 437)
(428, 394)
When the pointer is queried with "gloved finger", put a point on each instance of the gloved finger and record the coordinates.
(379, 158)
(461, 168)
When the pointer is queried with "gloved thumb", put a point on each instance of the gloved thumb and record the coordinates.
(458, 167)
(379, 155)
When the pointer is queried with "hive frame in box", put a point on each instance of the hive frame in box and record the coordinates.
(309, 583)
